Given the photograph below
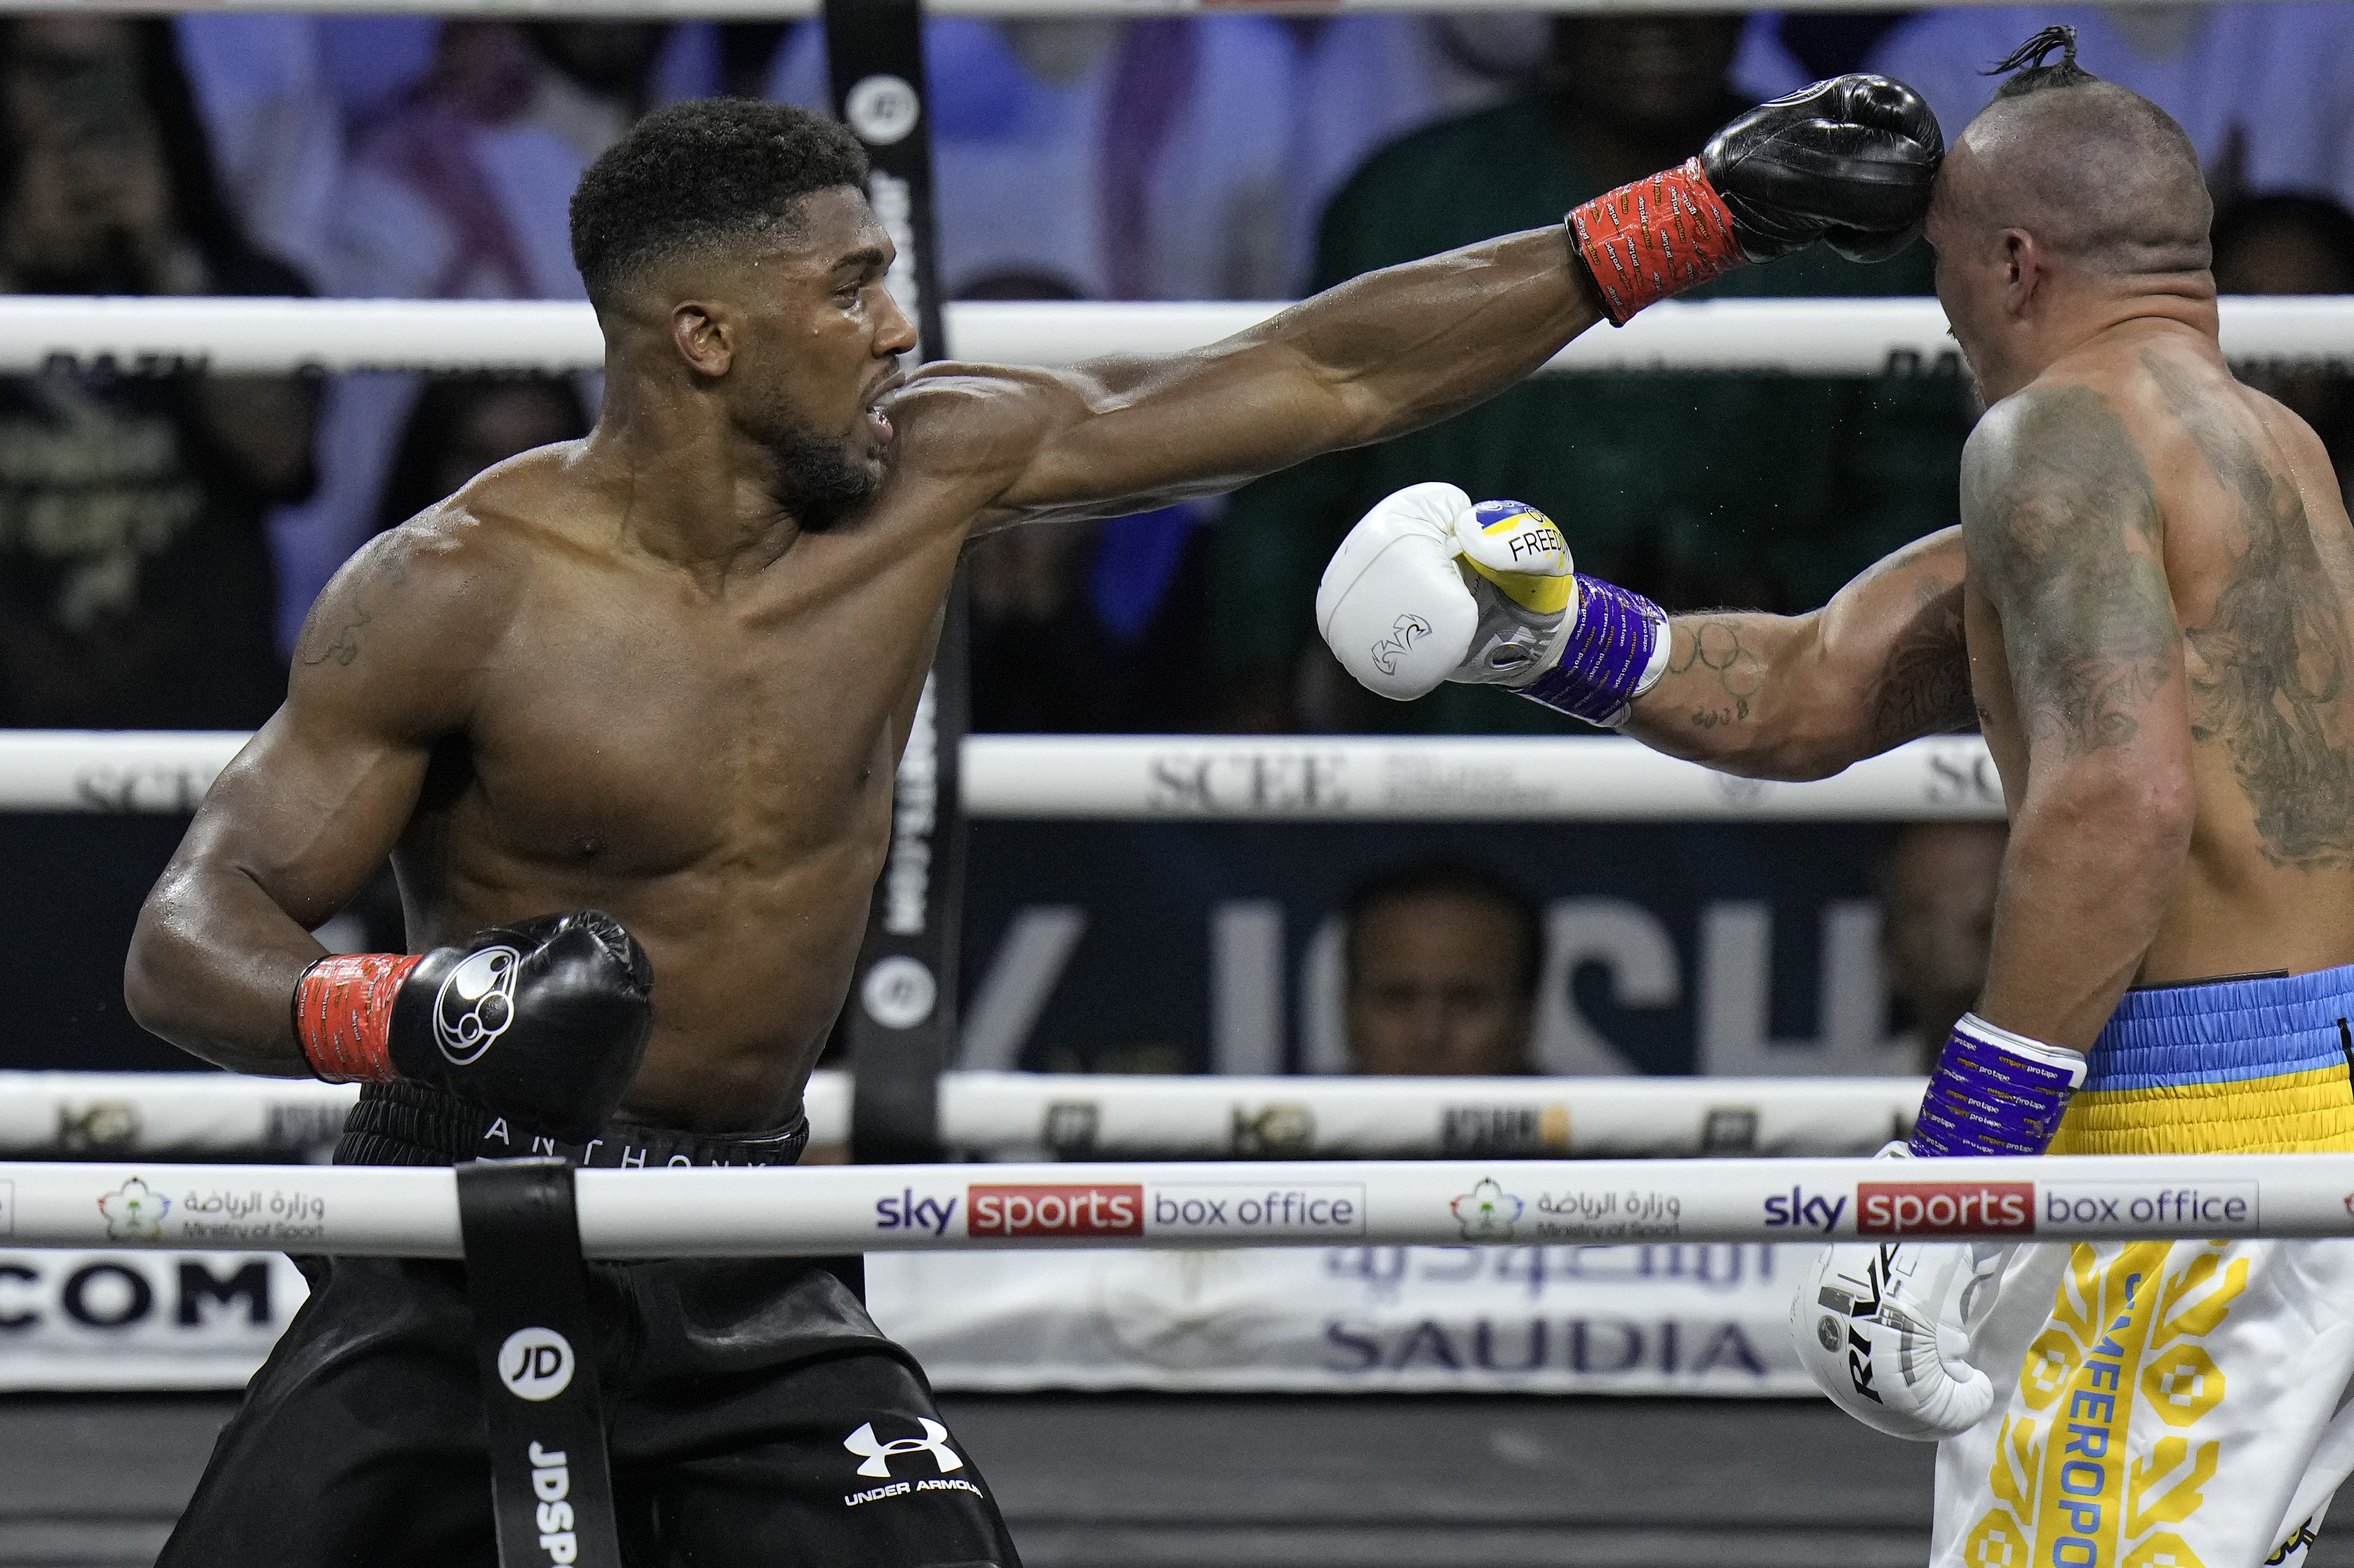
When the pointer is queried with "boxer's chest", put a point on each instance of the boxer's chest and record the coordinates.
(666, 733)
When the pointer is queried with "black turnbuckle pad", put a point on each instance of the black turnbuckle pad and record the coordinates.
(551, 1487)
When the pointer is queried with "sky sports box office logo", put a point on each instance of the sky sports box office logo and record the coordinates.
(2019, 1208)
(1308, 1211)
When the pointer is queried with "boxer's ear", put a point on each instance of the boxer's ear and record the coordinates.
(2026, 266)
(704, 336)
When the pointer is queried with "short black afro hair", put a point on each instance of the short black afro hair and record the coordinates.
(702, 174)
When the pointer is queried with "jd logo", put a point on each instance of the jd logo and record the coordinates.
(536, 1363)
(877, 1454)
(1390, 649)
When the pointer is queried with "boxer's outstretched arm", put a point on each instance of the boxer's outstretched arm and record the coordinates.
(1802, 696)
(299, 821)
(2065, 546)
(1379, 355)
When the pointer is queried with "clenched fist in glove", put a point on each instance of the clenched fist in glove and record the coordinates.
(1846, 160)
(544, 1020)
(1431, 587)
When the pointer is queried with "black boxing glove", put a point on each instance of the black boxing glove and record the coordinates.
(544, 1020)
(1847, 161)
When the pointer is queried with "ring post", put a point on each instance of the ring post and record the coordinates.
(901, 1014)
(551, 1487)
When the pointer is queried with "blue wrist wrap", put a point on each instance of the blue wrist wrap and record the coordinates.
(1994, 1093)
(1602, 666)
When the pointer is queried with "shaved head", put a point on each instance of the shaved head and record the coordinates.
(2104, 178)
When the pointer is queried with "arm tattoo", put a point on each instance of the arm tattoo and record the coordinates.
(1925, 687)
(1715, 646)
(331, 632)
(2270, 665)
(2061, 519)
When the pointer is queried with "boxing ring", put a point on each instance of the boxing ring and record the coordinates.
(92, 1166)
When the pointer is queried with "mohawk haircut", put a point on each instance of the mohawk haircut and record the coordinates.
(2032, 74)
(701, 175)
(2101, 174)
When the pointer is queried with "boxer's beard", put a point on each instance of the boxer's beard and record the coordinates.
(823, 482)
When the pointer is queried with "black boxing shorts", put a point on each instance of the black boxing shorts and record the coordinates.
(754, 1413)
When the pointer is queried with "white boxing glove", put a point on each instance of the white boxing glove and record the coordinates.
(1883, 1329)
(1428, 587)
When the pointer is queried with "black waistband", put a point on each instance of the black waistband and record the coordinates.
(414, 1124)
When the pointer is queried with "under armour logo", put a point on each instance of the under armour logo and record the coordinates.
(1388, 652)
(877, 1453)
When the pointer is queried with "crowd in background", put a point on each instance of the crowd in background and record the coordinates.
(165, 532)
(163, 536)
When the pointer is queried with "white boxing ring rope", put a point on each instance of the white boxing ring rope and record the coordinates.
(1816, 337)
(118, 1116)
(1297, 779)
(823, 1210)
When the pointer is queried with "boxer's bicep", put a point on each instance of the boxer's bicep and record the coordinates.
(2064, 539)
(2062, 529)
(296, 824)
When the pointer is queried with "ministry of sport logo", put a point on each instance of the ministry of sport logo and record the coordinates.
(1487, 1212)
(134, 1211)
(875, 1454)
(475, 1003)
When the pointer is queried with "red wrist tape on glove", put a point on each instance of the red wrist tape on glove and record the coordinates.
(343, 1014)
(1655, 238)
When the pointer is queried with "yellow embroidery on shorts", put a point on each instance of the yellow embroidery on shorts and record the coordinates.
(2122, 1330)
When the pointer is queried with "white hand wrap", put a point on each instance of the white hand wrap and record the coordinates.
(1427, 588)
(1883, 1329)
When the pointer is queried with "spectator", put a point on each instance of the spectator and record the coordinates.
(1442, 962)
(1163, 158)
(458, 187)
(1936, 920)
(461, 425)
(2265, 91)
(138, 587)
(2295, 245)
(1758, 490)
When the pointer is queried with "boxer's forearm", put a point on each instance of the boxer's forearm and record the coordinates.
(1382, 355)
(2093, 853)
(1775, 696)
(212, 968)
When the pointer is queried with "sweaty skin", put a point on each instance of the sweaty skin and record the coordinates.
(623, 673)
(2151, 588)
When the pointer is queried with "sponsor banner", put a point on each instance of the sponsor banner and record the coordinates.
(141, 1320)
(1944, 1208)
(2104, 1208)
(1650, 1319)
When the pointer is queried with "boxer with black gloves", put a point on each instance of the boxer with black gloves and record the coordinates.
(666, 672)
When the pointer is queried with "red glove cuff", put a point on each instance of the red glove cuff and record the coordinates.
(1655, 238)
(343, 1014)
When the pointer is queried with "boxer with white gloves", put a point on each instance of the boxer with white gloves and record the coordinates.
(2136, 612)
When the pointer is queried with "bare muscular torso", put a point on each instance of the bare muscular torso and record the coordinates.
(714, 768)
(2143, 444)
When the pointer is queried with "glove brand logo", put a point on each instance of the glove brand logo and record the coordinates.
(1944, 1208)
(475, 1004)
(1386, 654)
(1073, 1210)
(536, 1364)
(134, 1211)
(875, 1454)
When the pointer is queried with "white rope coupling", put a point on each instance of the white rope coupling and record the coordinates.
(1301, 779)
(1811, 337)
(1024, 1115)
(823, 1210)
